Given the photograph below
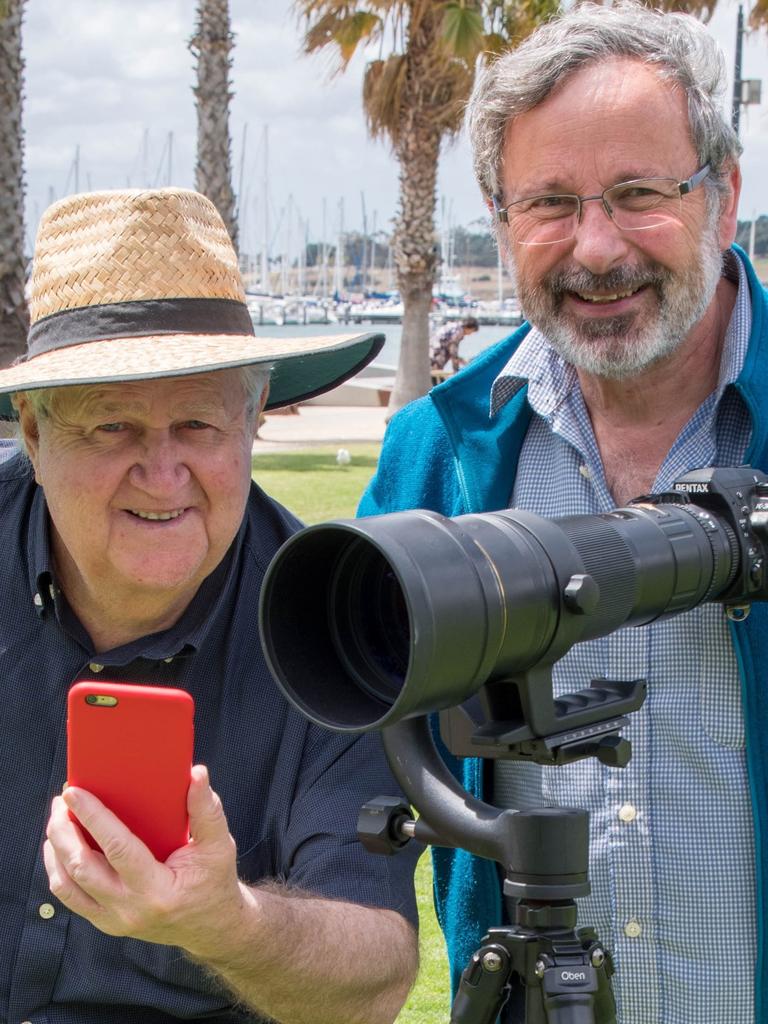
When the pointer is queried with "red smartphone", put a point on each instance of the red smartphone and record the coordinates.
(131, 746)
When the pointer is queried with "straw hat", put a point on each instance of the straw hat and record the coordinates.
(135, 284)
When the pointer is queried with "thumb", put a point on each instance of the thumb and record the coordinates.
(207, 821)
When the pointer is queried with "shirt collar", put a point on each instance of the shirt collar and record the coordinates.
(551, 379)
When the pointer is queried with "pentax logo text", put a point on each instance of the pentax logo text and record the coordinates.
(691, 488)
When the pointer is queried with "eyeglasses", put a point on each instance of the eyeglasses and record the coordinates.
(637, 205)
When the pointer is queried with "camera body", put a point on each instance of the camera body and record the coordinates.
(738, 496)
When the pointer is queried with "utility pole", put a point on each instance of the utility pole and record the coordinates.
(746, 91)
(736, 108)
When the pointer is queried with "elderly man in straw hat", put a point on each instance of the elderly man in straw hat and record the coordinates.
(134, 549)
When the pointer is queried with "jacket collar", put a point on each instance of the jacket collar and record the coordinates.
(486, 447)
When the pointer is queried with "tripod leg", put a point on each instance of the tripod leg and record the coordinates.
(484, 986)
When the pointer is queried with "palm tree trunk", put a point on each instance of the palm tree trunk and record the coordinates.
(14, 316)
(418, 151)
(212, 45)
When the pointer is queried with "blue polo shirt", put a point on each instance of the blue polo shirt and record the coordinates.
(291, 791)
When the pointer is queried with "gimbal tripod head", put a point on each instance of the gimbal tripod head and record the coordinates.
(555, 972)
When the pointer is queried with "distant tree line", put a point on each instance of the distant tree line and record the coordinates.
(476, 248)
(358, 250)
(470, 249)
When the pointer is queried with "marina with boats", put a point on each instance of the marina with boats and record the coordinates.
(384, 313)
(280, 310)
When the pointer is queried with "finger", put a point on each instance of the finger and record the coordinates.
(72, 851)
(207, 822)
(124, 852)
(64, 888)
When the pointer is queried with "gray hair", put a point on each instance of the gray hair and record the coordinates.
(677, 46)
(253, 379)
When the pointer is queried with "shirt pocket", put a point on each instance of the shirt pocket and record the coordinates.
(720, 704)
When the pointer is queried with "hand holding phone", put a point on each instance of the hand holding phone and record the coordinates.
(131, 746)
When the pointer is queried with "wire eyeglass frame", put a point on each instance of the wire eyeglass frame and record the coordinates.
(570, 222)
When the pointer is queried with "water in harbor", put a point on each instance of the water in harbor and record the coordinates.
(470, 346)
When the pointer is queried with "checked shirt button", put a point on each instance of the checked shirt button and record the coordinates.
(627, 813)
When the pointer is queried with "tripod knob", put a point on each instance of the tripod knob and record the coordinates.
(614, 751)
(379, 825)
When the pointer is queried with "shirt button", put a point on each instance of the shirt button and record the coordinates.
(627, 813)
(46, 911)
(633, 929)
(37, 601)
(586, 472)
(95, 666)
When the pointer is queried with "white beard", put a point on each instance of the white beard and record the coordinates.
(621, 346)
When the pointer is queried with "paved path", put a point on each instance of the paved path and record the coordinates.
(320, 424)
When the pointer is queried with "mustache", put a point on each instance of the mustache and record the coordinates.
(579, 279)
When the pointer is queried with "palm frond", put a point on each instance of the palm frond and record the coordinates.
(702, 9)
(313, 8)
(758, 17)
(383, 94)
(524, 16)
(353, 30)
(448, 94)
(495, 44)
(463, 31)
(345, 31)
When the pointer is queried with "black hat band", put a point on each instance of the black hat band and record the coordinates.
(137, 320)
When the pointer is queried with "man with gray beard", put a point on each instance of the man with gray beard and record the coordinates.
(613, 181)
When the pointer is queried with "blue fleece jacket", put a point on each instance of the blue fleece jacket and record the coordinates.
(443, 453)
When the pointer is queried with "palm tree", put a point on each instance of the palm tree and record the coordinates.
(211, 46)
(14, 316)
(415, 98)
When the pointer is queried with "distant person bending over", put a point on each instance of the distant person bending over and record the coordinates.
(135, 545)
(444, 347)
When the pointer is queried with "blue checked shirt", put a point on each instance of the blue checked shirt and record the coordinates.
(672, 848)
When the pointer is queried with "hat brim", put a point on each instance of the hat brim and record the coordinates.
(302, 367)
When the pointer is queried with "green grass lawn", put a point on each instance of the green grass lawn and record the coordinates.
(315, 488)
(311, 483)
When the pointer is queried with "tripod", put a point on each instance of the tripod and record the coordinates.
(552, 972)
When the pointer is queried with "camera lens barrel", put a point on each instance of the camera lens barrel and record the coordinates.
(369, 621)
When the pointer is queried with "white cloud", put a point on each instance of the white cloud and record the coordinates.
(115, 78)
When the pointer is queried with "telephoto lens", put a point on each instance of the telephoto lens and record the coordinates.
(369, 621)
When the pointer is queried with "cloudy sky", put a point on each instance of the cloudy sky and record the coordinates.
(110, 82)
